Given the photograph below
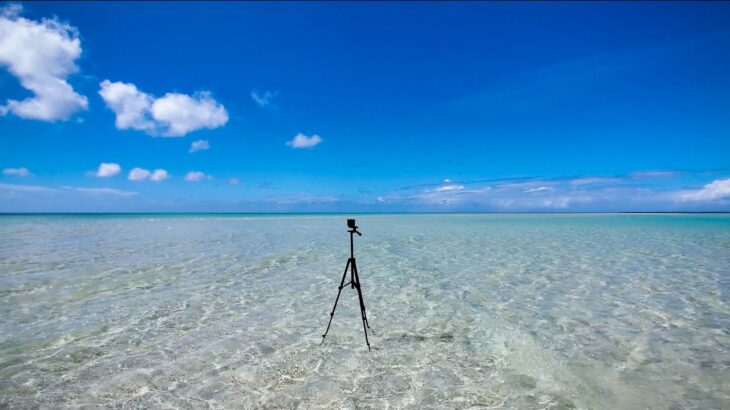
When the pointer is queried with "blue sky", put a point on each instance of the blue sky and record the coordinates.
(364, 107)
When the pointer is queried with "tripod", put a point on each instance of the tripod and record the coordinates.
(355, 283)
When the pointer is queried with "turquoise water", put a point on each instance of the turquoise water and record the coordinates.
(470, 311)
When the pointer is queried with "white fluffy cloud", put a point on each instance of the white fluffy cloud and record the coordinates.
(158, 175)
(196, 176)
(140, 174)
(182, 114)
(41, 54)
(129, 104)
(172, 115)
(199, 145)
(18, 172)
(108, 169)
(233, 181)
(719, 188)
(302, 141)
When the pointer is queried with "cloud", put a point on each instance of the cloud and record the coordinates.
(108, 169)
(265, 185)
(587, 193)
(717, 189)
(233, 181)
(45, 189)
(159, 175)
(302, 141)
(138, 174)
(653, 174)
(25, 188)
(540, 188)
(172, 115)
(18, 172)
(196, 176)
(449, 186)
(497, 197)
(199, 145)
(644, 191)
(129, 104)
(182, 114)
(301, 198)
(101, 191)
(265, 99)
(594, 180)
(41, 54)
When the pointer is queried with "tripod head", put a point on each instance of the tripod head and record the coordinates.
(353, 227)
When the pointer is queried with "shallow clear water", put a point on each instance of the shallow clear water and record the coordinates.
(470, 311)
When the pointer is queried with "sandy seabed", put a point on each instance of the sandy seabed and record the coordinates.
(470, 311)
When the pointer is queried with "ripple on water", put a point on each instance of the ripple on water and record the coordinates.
(470, 311)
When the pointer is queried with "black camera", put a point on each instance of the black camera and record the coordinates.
(351, 224)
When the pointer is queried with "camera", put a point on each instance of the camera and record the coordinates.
(351, 224)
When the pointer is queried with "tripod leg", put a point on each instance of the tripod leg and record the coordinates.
(332, 315)
(362, 301)
(362, 305)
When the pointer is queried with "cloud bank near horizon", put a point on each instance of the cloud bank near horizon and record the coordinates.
(634, 192)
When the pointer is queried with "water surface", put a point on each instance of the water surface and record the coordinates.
(470, 311)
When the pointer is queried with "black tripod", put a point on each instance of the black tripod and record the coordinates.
(355, 282)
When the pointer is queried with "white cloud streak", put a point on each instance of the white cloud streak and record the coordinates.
(265, 99)
(652, 174)
(449, 186)
(172, 115)
(101, 191)
(301, 198)
(18, 172)
(45, 189)
(41, 55)
(594, 180)
(302, 141)
(562, 194)
(540, 188)
(25, 188)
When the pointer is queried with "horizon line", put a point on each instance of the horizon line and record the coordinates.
(358, 213)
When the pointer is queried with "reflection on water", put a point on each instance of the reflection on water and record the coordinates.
(470, 311)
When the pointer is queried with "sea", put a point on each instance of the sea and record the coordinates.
(467, 311)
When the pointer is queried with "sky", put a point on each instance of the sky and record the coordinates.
(364, 107)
